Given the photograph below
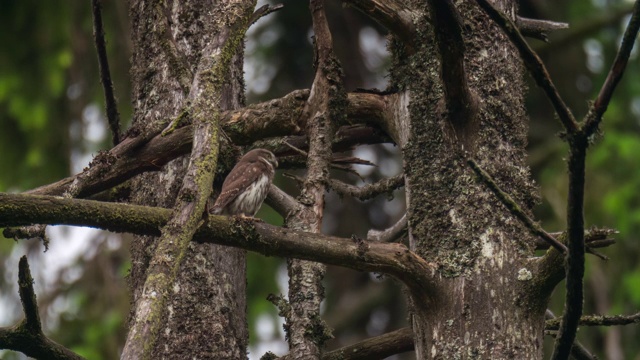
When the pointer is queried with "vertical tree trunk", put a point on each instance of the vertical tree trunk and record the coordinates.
(481, 306)
(205, 311)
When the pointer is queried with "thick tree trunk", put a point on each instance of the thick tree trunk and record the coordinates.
(481, 306)
(205, 311)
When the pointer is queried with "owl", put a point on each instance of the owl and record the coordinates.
(246, 186)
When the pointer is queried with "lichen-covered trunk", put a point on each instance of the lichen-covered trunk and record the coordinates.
(482, 305)
(205, 309)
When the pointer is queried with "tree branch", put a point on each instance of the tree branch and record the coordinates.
(110, 101)
(537, 28)
(379, 347)
(367, 191)
(598, 320)
(461, 104)
(272, 118)
(575, 257)
(533, 64)
(393, 259)
(594, 117)
(390, 234)
(578, 351)
(391, 14)
(514, 208)
(27, 336)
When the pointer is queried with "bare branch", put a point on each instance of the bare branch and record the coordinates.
(599, 320)
(575, 257)
(594, 116)
(27, 336)
(533, 64)
(244, 126)
(578, 351)
(282, 202)
(393, 259)
(379, 347)
(391, 14)
(461, 104)
(514, 208)
(264, 11)
(537, 28)
(390, 234)
(370, 190)
(594, 238)
(110, 101)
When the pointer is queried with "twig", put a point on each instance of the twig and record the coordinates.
(537, 28)
(110, 101)
(594, 238)
(578, 351)
(264, 11)
(370, 190)
(599, 320)
(514, 208)
(533, 64)
(594, 116)
(389, 234)
(27, 336)
(461, 104)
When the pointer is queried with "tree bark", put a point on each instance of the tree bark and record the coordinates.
(481, 305)
(205, 311)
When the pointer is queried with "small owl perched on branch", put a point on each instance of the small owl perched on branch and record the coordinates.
(246, 186)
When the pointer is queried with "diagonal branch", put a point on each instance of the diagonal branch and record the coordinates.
(533, 64)
(514, 208)
(594, 116)
(196, 188)
(461, 104)
(27, 336)
(110, 101)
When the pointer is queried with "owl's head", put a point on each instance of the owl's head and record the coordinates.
(263, 155)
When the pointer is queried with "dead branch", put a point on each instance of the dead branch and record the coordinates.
(460, 102)
(393, 259)
(537, 28)
(367, 191)
(390, 234)
(514, 208)
(27, 336)
(111, 104)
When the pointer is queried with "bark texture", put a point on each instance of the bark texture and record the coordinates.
(480, 249)
(205, 312)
